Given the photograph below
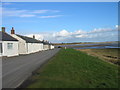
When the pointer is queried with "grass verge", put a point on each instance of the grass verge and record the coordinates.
(75, 69)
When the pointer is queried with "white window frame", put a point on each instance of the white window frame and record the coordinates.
(9, 46)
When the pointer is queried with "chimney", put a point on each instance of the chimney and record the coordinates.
(34, 36)
(3, 29)
(12, 31)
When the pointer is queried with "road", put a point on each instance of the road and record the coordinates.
(17, 69)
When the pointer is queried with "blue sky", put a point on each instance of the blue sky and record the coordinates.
(49, 20)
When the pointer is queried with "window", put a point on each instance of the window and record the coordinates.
(10, 45)
(0, 47)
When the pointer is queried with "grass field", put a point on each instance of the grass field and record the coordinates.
(75, 69)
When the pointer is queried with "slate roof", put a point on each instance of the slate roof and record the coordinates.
(6, 37)
(28, 39)
(45, 43)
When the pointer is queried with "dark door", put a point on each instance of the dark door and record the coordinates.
(1, 48)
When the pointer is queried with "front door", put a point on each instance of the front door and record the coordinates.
(1, 49)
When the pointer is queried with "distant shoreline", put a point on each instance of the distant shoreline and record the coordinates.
(89, 45)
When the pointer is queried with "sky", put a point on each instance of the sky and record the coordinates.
(60, 1)
(63, 21)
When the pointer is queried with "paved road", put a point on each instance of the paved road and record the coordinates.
(18, 69)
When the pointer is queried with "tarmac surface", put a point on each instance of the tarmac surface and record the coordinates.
(15, 70)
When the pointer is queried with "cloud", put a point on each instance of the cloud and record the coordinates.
(40, 11)
(62, 33)
(45, 11)
(79, 32)
(101, 30)
(28, 15)
(54, 16)
(80, 35)
(116, 26)
(13, 12)
(6, 3)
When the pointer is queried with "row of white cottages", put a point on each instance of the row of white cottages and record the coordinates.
(14, 44)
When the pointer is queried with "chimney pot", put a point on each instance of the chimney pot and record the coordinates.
(12, 31)
(3, 29)
(34, 36)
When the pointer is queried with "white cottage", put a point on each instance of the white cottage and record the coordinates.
(45, 45)
(27, 45)
(8, 44)
(51, 46)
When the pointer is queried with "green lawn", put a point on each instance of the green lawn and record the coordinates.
(75, 69)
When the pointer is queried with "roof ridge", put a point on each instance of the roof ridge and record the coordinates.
(26, 36)
(29, 39)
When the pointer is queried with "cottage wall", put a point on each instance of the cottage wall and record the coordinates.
(22, 44)
(46, 47)
(1, 48)
(52, 47)
(34, 47)
(41, 47)
(10, 51)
